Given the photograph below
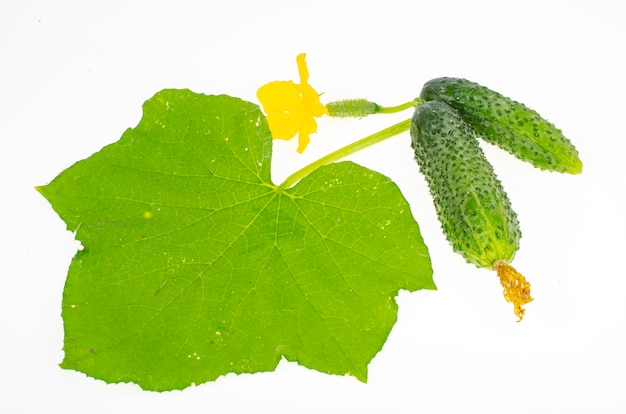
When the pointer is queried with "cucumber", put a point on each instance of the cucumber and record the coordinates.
(473, 208)
(506, 123)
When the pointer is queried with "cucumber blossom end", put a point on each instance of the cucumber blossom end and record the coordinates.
(516, 288)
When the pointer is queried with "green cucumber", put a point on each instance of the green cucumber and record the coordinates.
(507, 124)
(473, 208)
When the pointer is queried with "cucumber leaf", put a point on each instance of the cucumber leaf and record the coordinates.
(194, 264)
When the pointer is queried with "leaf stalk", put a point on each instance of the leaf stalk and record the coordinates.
(343, 152)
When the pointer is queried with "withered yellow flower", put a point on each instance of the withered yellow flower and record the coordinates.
(291, 107)
(516, 288)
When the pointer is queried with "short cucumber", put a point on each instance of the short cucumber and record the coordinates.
(506, 123)
(356, 108)
(473, 208)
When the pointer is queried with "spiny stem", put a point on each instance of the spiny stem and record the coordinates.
(348, 150)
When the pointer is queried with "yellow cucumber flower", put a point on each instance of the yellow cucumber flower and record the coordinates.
(291, 108)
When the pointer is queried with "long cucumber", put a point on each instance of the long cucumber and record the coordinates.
(506, 123)
(472, 206)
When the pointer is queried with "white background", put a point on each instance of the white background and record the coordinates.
(73, 76)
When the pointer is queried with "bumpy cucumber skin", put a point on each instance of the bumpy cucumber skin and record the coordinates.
(506, 123)
(474, 211)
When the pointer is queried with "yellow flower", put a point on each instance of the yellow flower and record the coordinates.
(291, 108)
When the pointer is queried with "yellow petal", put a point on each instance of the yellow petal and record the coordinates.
(310, 97)
(308, 127)
(311, 101)
(285, 125)
(303, 71)
(280, 96)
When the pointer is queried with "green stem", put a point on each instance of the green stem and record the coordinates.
(347, 150)
(393, 109)
(359, 108)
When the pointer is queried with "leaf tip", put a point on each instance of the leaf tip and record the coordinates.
(42, 190)
(361, 375)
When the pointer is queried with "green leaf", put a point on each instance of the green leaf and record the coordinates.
(195, 265)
